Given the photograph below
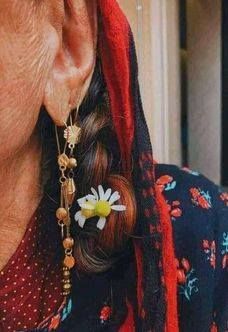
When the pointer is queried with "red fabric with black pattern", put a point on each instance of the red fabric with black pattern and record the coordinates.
(119, 65)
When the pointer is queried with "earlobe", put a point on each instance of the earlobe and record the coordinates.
(75, 60)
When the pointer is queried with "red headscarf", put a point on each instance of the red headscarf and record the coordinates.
(120, 70)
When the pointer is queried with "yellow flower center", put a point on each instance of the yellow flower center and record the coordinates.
(102, 209)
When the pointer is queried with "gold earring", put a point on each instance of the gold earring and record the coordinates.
(67, 163)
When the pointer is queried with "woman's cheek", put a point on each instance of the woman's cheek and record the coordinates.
(24, 71)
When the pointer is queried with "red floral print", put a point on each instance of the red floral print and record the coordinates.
(224, 198)
(105, 314)
(183, 267)
(186, 278)
(166, 183)
(200, 198)
(214, 328)
(174, 209)
(163, 181)
(225, 261)
(55, 323)
(209, 248)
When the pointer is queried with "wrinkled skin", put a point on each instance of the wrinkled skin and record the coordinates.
(47, 57)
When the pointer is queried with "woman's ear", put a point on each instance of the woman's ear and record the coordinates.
(73, 67)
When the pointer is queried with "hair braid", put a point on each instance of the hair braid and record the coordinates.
(98, 163)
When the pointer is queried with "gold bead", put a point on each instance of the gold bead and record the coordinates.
(61, 213)
(63, 160)
(69, 262)
(67, 287)
(68, 243)
(66, 281)
(65, 293)
(70, 190)
(66, 274)
(72, 163)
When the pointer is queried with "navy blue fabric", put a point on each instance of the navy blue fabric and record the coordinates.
(199, 213)
(199, 216)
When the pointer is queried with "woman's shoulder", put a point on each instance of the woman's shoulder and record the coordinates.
(198, 211)
(184, 174)
(191, 186)
(198, 207)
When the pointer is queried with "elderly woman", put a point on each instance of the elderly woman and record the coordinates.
(94, 235)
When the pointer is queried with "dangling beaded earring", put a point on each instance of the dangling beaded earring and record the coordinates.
(67, 163)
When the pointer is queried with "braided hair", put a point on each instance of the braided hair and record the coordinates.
(98, 163)
(99, 158)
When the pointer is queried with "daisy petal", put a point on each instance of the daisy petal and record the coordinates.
(107, 194)
(118, 207)
(101, 192)
(91, 198)
(81, 201)
(115, 196)
(77, 215)
(87, 206)
(101, 223)
(81, 221)
(95, 193)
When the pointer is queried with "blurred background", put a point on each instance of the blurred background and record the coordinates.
(182, 50)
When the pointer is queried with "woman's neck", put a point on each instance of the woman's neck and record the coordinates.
(20, 194)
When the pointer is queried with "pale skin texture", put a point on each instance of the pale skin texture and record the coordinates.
(47, 57)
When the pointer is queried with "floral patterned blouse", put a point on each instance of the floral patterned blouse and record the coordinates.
(199, 216)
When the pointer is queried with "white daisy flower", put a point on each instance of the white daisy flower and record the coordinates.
(100, 203)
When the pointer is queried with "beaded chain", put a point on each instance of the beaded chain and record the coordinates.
(67, 163)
